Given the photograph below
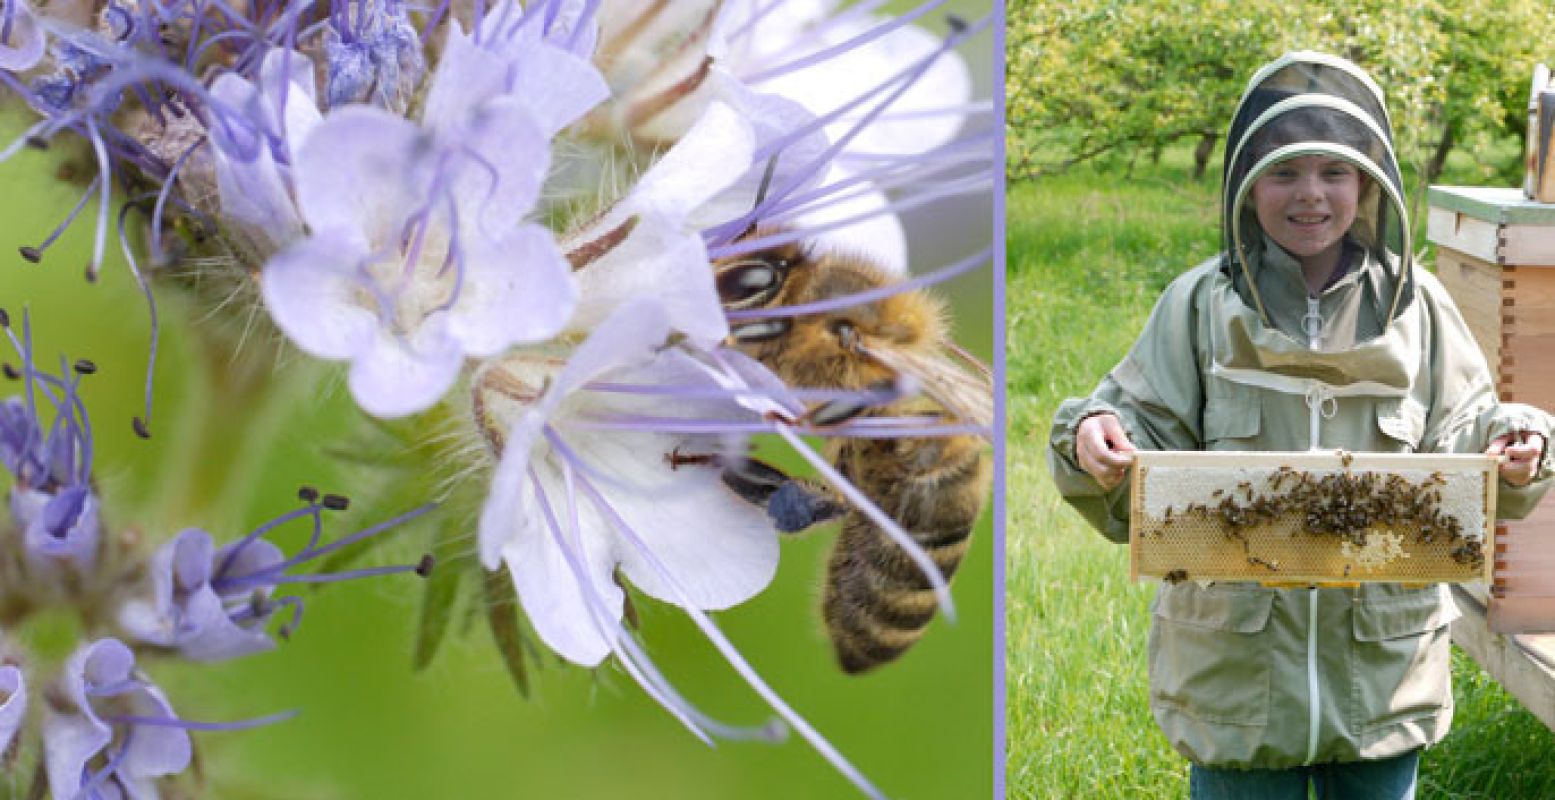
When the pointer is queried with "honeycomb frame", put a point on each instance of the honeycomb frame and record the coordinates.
(1170, 542)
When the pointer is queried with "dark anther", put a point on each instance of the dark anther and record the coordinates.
(307, 494)
(140, 428)
(32, 254)
(91, 274)
(336, 502)
(424, 566)
(86, 366)
(9, 372)
(956, 23)
(5, 319)
(37, 142)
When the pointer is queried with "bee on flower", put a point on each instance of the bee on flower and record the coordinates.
(538, 244)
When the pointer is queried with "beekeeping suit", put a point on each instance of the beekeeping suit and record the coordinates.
(1238, 355)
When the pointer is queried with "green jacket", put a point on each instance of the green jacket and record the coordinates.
(1248, 676)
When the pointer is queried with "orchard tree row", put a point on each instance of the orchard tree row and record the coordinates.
(1125, 78)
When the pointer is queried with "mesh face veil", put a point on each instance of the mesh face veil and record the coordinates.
(1311, 104)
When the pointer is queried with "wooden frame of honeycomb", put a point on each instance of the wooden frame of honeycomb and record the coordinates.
(1320, 517)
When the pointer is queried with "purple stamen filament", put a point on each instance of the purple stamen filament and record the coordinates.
(730, 653)
(229, 585)
(173, 722)
(887, 525)
(570, 480)
(896, 86)
(620, 641)
(846, 46)
(868, 296)
(71, 217)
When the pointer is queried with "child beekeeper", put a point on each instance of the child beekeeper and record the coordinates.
(1312, 329)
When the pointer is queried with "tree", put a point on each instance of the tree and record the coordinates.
(1098, 77)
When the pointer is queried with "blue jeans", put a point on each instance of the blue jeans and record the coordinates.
(1385, 779)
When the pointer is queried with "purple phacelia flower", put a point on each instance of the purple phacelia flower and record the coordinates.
(254, 178)
(417, 258)
(211, 603)
(51, 499)
(22, 39)
(107, 730)
(564, 545)
(372, 56)
(514, 54)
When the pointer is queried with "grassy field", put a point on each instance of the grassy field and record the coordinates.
(1089, 251)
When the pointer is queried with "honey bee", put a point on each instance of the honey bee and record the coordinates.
(877, 601)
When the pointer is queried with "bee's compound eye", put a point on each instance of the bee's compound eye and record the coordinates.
(748, 283)
(762, 331)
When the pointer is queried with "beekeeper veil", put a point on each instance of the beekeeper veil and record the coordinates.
(1311, 104)
(1305, 104)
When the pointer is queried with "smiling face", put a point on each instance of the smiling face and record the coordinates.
(1306, 204)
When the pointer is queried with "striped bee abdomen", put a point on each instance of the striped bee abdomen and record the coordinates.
(877, 600)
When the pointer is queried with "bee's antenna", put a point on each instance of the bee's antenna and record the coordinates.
(761, 193)
(766, 181)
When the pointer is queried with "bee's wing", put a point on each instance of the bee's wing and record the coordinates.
(967, 396)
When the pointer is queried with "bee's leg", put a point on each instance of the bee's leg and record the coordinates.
(793, 504)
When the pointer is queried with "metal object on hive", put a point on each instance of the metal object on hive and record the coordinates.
(1317, 517)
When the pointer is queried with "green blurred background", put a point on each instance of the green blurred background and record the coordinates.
(370, 727)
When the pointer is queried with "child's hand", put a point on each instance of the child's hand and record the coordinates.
(1522, 450)
(1103, 449)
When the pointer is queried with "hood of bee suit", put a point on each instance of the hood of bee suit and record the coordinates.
(1312, 104)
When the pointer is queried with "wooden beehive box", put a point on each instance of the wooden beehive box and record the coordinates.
(1495, 252)
(1322, 517)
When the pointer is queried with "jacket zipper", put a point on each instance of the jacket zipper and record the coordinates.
(1312, 326)
(1313, 697)
(1312, 322)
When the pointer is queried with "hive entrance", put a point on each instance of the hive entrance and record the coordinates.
(1311, 517)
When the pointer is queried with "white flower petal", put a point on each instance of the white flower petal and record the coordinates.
(508, 157)
(712, 155)
(311, 291)
(467, 75)
(548, 586)
(519, 289)
(879, 237)
(359, 170)
(771, 118)
(558, 86)
(718, 548)
(394, 377)
(837, 81)
(660, 262)
(630, 336)
(286, 77)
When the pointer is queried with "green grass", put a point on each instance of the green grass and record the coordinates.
(1088, 252)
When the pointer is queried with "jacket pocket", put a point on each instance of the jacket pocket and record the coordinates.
(1401, 666)
(1206, 660)
(1402, 419)
(1232, 415)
